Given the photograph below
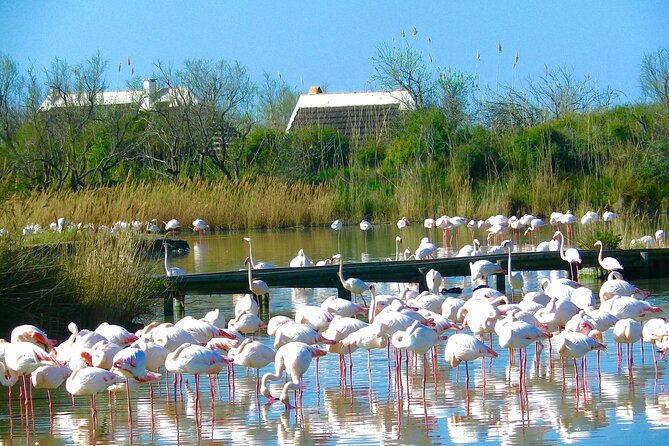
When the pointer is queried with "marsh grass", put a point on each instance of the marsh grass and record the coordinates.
(261, 203)
(104, 278)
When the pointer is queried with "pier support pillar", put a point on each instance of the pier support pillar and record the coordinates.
(422, 283)
(500, 280)
(645, 257)
(173, 302)
(343, 293)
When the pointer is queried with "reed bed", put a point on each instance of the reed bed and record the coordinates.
(103, 278)
(261, 203)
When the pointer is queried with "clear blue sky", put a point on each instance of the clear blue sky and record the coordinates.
(332, 43)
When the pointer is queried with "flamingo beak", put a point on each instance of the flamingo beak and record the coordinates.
(317, 352)
(226, 334)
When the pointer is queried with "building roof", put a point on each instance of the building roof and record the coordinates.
(147, 98)
(357, 114)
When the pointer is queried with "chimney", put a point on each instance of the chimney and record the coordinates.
(150, 86)
(315, 90)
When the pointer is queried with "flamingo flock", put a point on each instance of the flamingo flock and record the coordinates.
(562, 320)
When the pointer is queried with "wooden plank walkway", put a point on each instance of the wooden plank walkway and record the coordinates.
(637, 263)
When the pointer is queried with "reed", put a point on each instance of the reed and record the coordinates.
(103, 278)
(261, 203)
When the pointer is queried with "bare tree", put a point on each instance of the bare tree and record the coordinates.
(655, 76)
(208, 116)
(403, 67)
(558, 93)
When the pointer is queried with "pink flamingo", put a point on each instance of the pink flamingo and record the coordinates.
(89, 381)
(32, 334)
(252, 355)
(627, 331)
(342, 307)
(571, 255)
(116, 334)
(49, 377)
(608, 263)
(465, 347)
(294, 358)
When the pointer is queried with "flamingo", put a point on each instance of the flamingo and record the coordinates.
(245, 304)
(465, 347)
(481, 269)
(425, 249)
(101, 354)
(90, 381)
(514, 333)
(573, 344)
(294, 358)
(200, 226)
(403, 223)
(172, 271)
(429, 224)
(607, 263)
(515, 278)
(292, 331)
(354, 285)
(617, 286)
(366, 338)
(652, 332)
(569, 220)
(417, 339)
(300, 260)
(469, 250)
(364, 227)
(252, 355)
(571, 255)
(257, 286)
(660, 238)
(627, 331)
(246, 323)
(254, 264)
(337, 225)
(317, 318)
(433, 280)
(609, 216)
(34, 335)
(172, 226)
(196, 360)
(116, 334)
(201, 330)
(342, 307)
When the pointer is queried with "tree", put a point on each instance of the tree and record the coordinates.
(276, 101)
(209, 115)
(453, 93)
(84, 136)
(403, 67)
(655, 76)
(558, 93)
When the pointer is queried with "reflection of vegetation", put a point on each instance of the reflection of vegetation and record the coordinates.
(103, 279)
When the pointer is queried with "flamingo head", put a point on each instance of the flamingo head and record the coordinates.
(317, 352)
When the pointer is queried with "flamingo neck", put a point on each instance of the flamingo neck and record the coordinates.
(601, 254)
(250, 275)
(562, 248)
(166, 267)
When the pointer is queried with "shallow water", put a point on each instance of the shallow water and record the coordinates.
(612, 409)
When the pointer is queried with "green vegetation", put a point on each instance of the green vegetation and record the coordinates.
(104, 279)
(219, 151)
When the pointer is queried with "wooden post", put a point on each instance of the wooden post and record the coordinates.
(422, 283)
(343, 293)
(645, 257)
(168, 306)
(180, 305)
(500, 282)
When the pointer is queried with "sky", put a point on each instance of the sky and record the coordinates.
(332, 43)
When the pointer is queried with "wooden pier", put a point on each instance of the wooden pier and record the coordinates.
(638, 263)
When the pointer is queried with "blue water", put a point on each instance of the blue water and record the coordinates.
(612, 410)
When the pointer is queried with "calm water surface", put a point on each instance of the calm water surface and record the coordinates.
(612, 410)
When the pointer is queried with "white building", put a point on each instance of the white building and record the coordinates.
(147, 98)
(356, 114)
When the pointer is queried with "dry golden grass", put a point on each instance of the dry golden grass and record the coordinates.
(224, 205)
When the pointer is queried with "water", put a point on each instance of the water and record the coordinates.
(370, 411)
